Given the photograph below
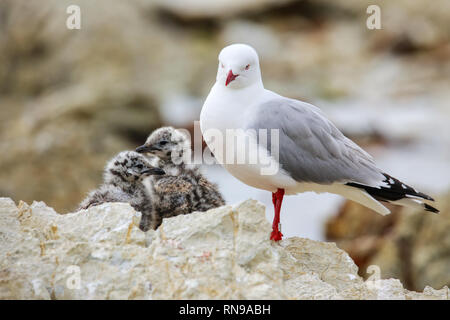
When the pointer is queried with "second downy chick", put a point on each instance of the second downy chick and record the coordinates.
(183, 189)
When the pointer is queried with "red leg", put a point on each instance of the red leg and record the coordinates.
(277, 199)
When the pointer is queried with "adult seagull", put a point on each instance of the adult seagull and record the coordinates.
(311, 154)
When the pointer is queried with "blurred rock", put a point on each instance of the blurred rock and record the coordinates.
(411, 245)
(75, 97)
(200, 9)
(224, 253)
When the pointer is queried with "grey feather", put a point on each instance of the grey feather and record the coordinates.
(311, 148)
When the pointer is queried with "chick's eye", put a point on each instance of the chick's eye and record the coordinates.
(247, 67)
(139, 166)
(163, 143)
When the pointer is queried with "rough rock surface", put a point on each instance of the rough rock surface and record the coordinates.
(410, 244)
(224, 253)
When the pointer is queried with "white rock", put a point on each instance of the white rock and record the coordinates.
(195, 9)
(224, 253)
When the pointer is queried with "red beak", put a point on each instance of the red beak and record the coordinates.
(230, 77)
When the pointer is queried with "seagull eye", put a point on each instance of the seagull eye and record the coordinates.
(222, 66)
(247, 67)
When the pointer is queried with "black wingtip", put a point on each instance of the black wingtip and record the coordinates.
(425, 196)
(394, 190)
(430, 208)
(404, 188)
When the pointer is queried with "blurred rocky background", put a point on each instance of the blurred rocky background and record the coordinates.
(408, 244)
(71, 99)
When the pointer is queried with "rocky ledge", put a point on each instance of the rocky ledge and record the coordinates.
(224, 253)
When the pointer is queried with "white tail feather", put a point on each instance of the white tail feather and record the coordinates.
(362, 197)
(351, 193)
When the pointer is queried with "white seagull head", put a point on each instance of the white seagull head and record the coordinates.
(238, 66)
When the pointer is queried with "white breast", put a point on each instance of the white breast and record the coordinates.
(258, 169)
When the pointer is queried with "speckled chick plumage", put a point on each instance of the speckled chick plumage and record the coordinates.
(123, 182)
(183, 189)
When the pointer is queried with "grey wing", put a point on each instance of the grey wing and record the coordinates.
(311, 148)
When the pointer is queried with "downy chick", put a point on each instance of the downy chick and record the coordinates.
(183, 189)
(123, 176)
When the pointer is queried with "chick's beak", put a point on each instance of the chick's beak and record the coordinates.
(145, 148)
(230, 77)
(154, 171)
(142, 149)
